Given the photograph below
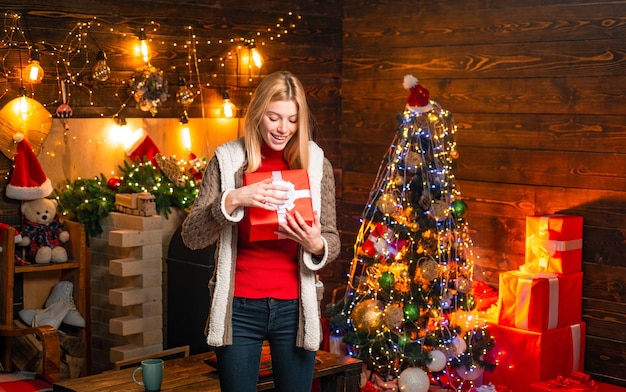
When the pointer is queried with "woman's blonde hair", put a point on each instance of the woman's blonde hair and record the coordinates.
(278, 86)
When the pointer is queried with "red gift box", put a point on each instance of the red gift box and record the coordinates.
(526, 357)
(541, 301)
(554, 243)
(265, 223)
(576, 382)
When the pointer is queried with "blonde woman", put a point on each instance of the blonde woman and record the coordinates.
(265, 290)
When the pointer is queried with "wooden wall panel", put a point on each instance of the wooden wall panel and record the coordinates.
(537, 92)
(311, 49)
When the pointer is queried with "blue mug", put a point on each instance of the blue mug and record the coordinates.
(151, 374)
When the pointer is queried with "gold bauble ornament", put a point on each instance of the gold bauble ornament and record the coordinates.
(367, 316)
(387, 203)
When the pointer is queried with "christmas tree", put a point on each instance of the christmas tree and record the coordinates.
(409, 308)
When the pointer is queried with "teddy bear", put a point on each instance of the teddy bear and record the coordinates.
(42, 232)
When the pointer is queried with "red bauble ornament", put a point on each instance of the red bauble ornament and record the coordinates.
(114, 183)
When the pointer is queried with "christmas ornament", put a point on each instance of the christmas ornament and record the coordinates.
(64, 110)
(411, 312)
(113, 183)
(393, 316)
(413, 380)
(430, 269)
(387, 203)
(381, 242)
(439, 209)
(459, 207)
(169, 167)
(149, 89)
(470, 374)
(367, 316)
(459, 345)
(418, 95)
(140, 146)
(197, 167)
(385, 281)
(438, 361)
(463, 285)
(413, 160)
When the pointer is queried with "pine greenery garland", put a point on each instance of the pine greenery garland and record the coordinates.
(89, 201)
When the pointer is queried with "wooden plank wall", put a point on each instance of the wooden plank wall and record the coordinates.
(311, 49)
(537, 91)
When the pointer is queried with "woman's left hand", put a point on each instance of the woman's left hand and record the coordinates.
(310, 237)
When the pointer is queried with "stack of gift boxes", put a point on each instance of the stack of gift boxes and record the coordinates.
(539, 333)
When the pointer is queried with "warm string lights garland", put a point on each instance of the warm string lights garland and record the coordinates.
(75, 69)
(80, 67)
(410, 305)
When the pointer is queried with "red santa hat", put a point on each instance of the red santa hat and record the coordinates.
(28, 180)
(418, 96)
(16, 235)
(140, 146)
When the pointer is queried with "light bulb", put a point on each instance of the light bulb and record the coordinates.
(144, 49)
(256, 57)
(33, 71)
(228, 107)
(184, 96)
(26, 114)
(184, 132)
(119, 132)
(101, 71)
(22, 108)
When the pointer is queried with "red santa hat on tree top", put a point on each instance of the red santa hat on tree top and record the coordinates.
(28, 180)
(418, 99)
(140, 145)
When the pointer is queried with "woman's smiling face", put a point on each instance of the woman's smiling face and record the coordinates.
(279, 124)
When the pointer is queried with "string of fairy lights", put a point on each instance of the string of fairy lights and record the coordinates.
(76, 68)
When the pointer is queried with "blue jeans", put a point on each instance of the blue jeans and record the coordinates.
(256, 320)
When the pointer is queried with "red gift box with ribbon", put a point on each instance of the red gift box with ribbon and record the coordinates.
(381, 243)
(263, 224)
(554, 243)
(526, 357)
(540, 301)
(575, 382)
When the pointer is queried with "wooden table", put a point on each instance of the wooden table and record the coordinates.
(336, 373)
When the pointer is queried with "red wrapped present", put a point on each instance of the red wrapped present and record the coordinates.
(265, 223)
(526, 357)
(554, 243)
(484, 295)
(576, 382)
(541, 301)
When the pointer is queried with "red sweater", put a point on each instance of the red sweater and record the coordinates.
(266, 268)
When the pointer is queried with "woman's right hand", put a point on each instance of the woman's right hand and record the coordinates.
(263, 194)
